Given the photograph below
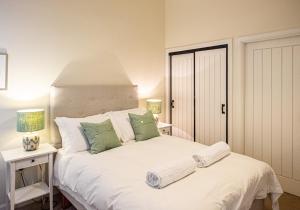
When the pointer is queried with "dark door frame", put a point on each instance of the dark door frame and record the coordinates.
(190, 51)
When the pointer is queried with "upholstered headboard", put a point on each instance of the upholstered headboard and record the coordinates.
(82, 101)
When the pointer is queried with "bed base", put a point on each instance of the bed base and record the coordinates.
(258, 204)
(65, 203)
(69, 198)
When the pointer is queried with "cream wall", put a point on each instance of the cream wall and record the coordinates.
(194, 21)
(198, 21)
(76, 42)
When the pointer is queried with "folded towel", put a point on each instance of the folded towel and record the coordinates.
(211, 154)
(164, 175)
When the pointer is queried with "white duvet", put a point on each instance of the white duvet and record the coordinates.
(115, 179)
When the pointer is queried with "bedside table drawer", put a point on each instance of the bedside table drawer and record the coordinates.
(166, 131)
(31, 162)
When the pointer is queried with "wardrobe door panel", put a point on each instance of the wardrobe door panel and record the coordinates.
(182, 91)
(210, 96)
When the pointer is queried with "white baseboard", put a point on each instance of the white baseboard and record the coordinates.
(290, 185)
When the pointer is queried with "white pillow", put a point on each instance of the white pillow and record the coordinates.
(121, 123)
(73, 140)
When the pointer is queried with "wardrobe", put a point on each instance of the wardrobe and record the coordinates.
(199, 94)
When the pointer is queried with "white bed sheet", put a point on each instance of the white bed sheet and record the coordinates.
(115, 179)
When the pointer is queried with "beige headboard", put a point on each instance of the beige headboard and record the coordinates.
(82, 101)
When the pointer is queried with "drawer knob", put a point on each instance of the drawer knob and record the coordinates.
(32, 160)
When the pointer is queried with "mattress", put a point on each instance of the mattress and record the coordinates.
(115, 179)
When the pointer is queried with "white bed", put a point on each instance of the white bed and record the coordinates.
(115, 179)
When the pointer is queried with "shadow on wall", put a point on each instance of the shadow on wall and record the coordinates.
(104, 69)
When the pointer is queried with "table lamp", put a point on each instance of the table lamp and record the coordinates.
(154, 105)
(30, 121)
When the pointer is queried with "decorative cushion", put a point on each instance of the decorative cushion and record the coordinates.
(144, 126)
(73, 139)
(101, 136)
(121, 123)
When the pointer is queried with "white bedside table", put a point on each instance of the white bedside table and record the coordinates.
(19, 159)
(164, 128)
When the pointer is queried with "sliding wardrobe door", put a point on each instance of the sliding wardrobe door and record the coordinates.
(182, 95)
(210, 96)
(199, 94)
(272, 117)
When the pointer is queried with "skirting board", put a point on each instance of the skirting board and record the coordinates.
(289, 185)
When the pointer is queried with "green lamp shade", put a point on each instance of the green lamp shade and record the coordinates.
(30, 120)
(154, 105)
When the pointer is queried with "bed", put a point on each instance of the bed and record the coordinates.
(115, 179)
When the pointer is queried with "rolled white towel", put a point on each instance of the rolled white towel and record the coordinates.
(161, 176)
(211, 154)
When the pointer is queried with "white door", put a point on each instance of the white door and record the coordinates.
(272, 107)
(198, 94)
(182, 94)
(210, 95)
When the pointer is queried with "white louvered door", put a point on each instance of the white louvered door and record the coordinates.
(272, 105)
(210, 96)
(183, 95)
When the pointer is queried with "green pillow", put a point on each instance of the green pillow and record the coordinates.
(101, 136)
(144, 126)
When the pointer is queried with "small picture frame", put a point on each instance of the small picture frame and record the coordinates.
(3, 71)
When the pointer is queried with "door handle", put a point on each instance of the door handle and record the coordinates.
(222, 109)
(172, 104)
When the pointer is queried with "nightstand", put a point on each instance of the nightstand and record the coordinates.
(17, 159)
(164, 128)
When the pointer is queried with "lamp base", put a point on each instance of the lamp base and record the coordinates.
(31, 142)
(156, 118)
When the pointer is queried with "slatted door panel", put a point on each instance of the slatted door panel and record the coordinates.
(272, 104)
(183, 95)
(296, 113)
(210, 94)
